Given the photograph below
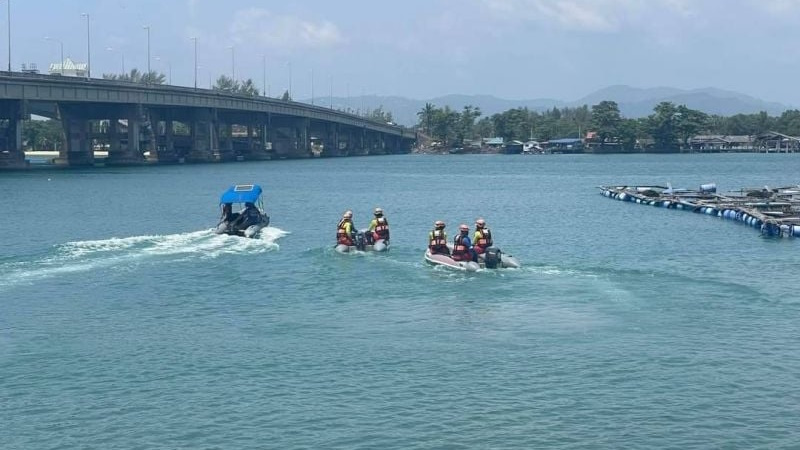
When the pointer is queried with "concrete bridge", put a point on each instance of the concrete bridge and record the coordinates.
(139, 124)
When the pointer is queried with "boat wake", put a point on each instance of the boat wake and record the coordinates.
(83, 256)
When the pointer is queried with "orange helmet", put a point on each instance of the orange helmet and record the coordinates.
(463, 227)
(438, 224)
(480, 223)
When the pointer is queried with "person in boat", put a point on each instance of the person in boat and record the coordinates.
(250, 215)
(379, 226)
(462, 245)
(227, 213)
(482, 239)
(437, 239)
(345, 232)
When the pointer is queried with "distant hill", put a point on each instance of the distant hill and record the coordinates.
(633, 102)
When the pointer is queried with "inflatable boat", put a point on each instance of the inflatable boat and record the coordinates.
(364, 244)
(494, 258)
(251, 219)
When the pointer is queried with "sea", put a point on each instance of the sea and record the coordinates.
(126, 323)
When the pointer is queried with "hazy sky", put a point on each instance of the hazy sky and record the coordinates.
(517, 49)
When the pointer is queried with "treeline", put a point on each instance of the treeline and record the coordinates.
(668, 127)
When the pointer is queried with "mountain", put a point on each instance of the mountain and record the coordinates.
(633, 102)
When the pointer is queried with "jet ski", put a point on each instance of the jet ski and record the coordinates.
(493, 258)
(364, 243)
(252, 218)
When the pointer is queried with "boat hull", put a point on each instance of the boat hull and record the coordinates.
(379, 246)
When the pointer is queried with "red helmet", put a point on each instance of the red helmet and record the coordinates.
(463, 227)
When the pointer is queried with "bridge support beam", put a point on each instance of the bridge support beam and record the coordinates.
(12, 156)
(131, 153)
(204, 136)
(78, 149)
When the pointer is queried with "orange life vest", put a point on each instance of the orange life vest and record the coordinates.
(486, 238)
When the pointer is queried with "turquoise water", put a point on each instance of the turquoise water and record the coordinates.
(125, 323)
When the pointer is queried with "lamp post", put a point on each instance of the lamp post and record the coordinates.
(9, 36)
(312, 85)
(111, 49)
(233, 62)
(147, 27)
(194, 38)
(331, 97)
(264, 75)
(289, 91)
(61, 45)
(88, 47)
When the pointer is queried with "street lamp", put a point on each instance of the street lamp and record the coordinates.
(312, 85)
(147, 27)
(88, 47)
(111, 49)
(264, 75)
(194, 38)
(9, 36)
(61, 44)
(289, 91)
(233, 63)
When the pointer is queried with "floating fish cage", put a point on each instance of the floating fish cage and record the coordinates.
(774, 212)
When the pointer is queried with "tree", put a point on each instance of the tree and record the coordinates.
(247, 87)
(606, 120)
(661, 126)
(379, 115)
(466, 122)
(426, 116)
(135, 76)
(226, 84)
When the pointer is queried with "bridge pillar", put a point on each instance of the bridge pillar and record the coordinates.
(78, 149)
(332, 141)
(303, 145)
(204, 136)
(225, 151)
(131, 152)
(256, 148)
(12, 156)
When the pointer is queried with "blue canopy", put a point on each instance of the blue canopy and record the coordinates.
(241, 193)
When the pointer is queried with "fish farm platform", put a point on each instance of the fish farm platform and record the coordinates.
(774, 212)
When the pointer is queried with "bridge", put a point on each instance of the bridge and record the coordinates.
(143, 124)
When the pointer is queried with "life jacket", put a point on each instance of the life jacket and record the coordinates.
(382, 228)
(486, 238)
(459, 248)
(341, 231)
(437, 238)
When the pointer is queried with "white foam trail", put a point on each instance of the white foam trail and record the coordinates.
(83, 256)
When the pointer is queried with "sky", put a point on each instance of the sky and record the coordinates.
(421, 49)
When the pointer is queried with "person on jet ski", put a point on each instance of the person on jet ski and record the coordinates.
(462, 246)
(482, 238)
(379, 227)
(437, 239)
(345, 232)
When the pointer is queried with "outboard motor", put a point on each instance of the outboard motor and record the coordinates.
(359, 241)
(492, 257)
